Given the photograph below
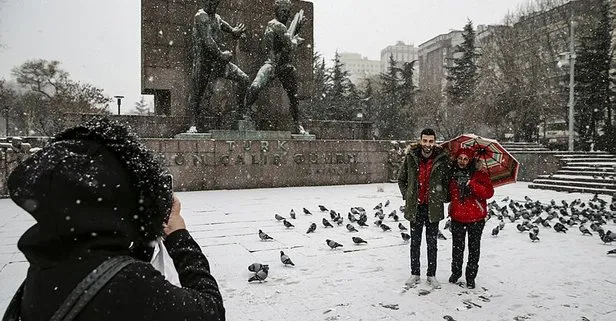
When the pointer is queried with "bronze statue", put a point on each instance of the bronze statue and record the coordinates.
(280, 43)
(211, 60)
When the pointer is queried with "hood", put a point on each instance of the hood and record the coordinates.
(88, 196)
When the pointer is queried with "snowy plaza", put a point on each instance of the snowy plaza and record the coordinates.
(561, 277)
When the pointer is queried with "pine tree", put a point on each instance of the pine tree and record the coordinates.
(320, 88)
(388, 118)
(592, 73)
(340, 104)
(462, 77)
(142, 107)
(408, 87)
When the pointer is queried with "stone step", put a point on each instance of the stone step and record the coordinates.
(573, 189)
(585, 155)
(611, 159)
(609, 186)
(601, 168)
(585, 172)
(604, 179)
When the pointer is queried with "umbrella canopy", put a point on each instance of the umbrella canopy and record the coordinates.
(500, 165)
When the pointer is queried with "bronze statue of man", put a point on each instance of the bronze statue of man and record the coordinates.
(211, 60)
(280, 44)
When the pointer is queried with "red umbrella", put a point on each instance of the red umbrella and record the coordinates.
(501, 166)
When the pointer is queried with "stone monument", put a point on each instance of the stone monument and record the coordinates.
(167, 29)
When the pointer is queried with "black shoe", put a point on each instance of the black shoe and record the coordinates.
(470, 284)
(454, 278)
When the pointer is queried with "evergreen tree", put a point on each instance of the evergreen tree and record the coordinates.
(462, 77)
(592, 73)
(408, 87)
(320, 88)
(389, 118)
(340, 87)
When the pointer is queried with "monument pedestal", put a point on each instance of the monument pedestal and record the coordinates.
(245, 135)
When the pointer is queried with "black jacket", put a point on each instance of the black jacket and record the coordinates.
(96, 193)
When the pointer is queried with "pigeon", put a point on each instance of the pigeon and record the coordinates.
(386, 203)
(405, 236)
(447, 225)
(558, 227)
(584, 230)
(333, 215)
(358, 240)
(395, 218)
(326, 223)
(378, 222)
(312, 228)
(261, 274)
(285, 259)
(440, 236)
(501, 225)
(522, 228)
(608, 237)
(535, 230)
(393, 213)
(264, 237)
(254, 267)
(323, 208)
(384, 227)
(378, 206)
(402, 227)
(506, 199)
(278, 217)
(533, 236)
(351, 228)
(306, 211)
(495, 231)
(611, 251)
(546, 224)
(292, 214)
(287, 224)
(362, 223)
(333, 244)
(352, 218)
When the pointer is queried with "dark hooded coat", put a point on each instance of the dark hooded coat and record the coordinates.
(96, 193)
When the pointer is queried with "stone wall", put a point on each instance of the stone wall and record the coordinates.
(217, 164)
(166, 49)
(205, 165)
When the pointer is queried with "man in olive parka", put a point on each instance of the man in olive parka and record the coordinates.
(423, 181)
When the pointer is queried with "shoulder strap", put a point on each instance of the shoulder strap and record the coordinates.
(80, 296)
(89, 287)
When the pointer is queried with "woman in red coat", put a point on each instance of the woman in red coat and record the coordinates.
(470, 187)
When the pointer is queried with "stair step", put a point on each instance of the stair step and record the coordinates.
(572, 189)
(585, 172)
(607, 179)
(610, 186)
(611, 159)
(603, 168)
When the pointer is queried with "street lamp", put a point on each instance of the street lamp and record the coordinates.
(119, 98)
(568, 58)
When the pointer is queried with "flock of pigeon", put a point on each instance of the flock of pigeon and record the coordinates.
(356, 215)
(529, 215)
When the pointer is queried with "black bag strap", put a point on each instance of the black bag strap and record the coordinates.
(80, 296)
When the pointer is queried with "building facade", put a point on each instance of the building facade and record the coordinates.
(359, 67)
(402, 53)
(434, 56)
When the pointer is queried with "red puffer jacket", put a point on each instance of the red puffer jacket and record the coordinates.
(474, 207)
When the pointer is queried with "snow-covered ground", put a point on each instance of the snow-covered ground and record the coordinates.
(561, 277)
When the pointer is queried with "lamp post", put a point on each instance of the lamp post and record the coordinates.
(572, 57)
(119, 99)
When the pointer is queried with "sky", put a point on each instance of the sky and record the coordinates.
(563, 276)
(99, 41)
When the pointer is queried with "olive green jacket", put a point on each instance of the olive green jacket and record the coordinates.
(408, 181)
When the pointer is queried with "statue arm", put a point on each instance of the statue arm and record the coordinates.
(202, 22)
(280, 30)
